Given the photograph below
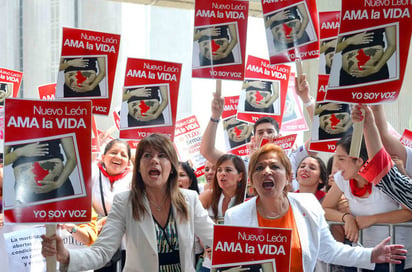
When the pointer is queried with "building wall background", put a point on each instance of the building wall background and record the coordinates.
(31, 42)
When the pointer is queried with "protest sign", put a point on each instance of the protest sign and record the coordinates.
(331, 121)
(188, 137)
(95, 137)
(250, 245)
(293, 119)
(9, 83)
(47, 91)
(219, 39)
(369, 62)
(237, 133)
(329, 22)
(292, 30)
(286, 142)
(263, 91)
(47, 161)
(24, 250)
(150, 93)
(87, 67)
(9, 87)
(406, 138)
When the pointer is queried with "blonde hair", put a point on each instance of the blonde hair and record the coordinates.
(268, 148)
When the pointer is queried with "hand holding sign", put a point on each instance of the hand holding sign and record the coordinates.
(358, 119)
(53, 247)
(218, 101)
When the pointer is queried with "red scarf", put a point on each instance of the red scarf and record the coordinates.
(112, 179)
(359, 192)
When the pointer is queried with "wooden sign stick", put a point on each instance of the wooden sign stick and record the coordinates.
(219, 87)
(51, 262)
(357, 135)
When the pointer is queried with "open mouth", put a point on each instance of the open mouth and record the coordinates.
(268, 184)
(116, 162)
(154, 172)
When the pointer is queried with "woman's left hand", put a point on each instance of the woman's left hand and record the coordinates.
(364, 221)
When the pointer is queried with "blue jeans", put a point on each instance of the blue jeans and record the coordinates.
(204, 269)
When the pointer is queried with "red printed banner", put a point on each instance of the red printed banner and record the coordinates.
(406, 138)
(188, 137)
(219, 39)
(263, 91)
(9, 87)
(286, 142)
(331, 120)
(51, 182)
(87, 67)
(370, 58)
(237, 133)
(95, 137)
(9, 83)
(244, 246)
(292, 30)
(47, 91)
(150, 93)
(293, 119)
(329, 28)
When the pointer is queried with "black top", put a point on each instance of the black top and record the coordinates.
(293, 14)
(377, 40)
(54, 152)
(224, 33)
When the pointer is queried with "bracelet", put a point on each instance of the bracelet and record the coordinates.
(214, 120)
(343, 216)
(74, 230)
(309, 103)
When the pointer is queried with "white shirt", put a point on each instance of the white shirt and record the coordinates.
(377, 202)
(119, 186)
(408, 163)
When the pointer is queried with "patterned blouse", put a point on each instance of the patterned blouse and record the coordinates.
(168, 245)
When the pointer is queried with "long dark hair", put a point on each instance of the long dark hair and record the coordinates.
(163, 144)
(115, 141)
(323, 173)
(240, 189)
(192, 176)
(345, 143)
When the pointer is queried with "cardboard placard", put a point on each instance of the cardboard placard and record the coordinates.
(219, 39)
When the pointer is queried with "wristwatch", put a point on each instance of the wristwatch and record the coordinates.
(74, 230)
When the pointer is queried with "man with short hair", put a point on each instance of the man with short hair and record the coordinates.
(264, 127)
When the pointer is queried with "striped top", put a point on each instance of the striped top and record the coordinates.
(168, 245)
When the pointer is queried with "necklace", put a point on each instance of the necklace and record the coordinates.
(158, 207)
